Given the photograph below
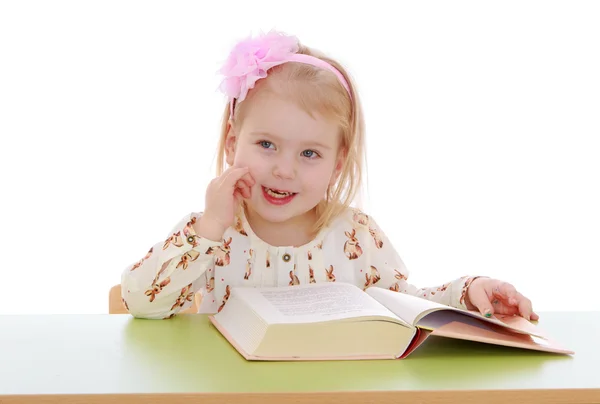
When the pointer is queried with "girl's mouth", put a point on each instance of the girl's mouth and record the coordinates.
(277, 196)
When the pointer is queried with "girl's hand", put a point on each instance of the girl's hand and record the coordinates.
(491, 296)
(223, 197)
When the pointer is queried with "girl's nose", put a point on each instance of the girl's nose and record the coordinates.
(285, 168)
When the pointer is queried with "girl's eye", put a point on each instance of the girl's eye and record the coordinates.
(265, 144)
(310, 153)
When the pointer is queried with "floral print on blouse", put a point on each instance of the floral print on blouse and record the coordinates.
(352, 249)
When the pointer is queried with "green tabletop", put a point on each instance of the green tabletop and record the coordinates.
(117, 354)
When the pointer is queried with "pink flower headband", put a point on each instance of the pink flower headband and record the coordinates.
(250, 60)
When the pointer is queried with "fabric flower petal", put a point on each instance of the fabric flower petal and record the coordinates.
(250, 60)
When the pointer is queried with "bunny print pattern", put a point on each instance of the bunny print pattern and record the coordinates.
(352, 249)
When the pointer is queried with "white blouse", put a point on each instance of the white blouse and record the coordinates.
(351, 249)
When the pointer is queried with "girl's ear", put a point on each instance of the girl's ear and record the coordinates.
(339, 165)
(230, 141)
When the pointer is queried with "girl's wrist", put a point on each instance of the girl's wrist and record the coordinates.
(209, 228)
(469, 283)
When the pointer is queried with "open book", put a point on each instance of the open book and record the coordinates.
(338, 321)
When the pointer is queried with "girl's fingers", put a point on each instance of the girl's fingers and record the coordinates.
(525, 307)
(237, 196)
(248, 179)
(513, 302)
(248, 182)
(244, 189)
(479, 298)
(231, 176)
(501, 307)
(506, 292)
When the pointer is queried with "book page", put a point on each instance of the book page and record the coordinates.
(470, 329)
(415, 311)
(312, 303)
(409, 308)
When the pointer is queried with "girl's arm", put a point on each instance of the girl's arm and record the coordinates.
(165, 280)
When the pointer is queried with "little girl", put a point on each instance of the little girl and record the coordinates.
(279, 214)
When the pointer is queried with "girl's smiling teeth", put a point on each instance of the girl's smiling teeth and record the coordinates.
(276, 193)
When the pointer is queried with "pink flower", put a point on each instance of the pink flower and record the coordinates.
(250, 59)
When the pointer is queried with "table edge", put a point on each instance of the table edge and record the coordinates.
(489, 396)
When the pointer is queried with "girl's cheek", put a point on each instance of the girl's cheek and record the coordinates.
(241, 157)
(242, 160)
(246, 156)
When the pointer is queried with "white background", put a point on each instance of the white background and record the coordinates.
(482, 117)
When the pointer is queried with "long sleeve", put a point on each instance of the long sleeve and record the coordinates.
(386, 269)
(164, 282)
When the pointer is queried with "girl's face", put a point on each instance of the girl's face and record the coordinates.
(292, 157)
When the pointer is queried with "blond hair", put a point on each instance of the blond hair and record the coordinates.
(317, 90)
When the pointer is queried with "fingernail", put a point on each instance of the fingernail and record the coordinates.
(487, 313)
